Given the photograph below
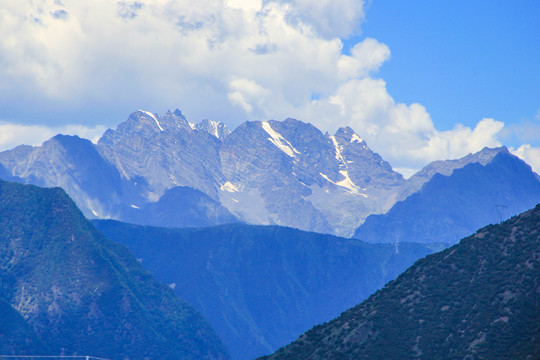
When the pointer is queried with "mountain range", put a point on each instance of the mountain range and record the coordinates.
(260, 287)
(475, 300)
(65, 287)
(284, 173)
(67, 290)
(165, 171)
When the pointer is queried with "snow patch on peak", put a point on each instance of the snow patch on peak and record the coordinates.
(278, 140)
(356, 138)
(192, 126)
(338, 149)
(153, 117)
(345, 183)
(213, 128)
(228, 186)
(326, 178)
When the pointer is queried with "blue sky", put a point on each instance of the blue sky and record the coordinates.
(462, 60)
(419, 80)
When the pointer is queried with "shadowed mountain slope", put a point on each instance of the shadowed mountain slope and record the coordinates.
(262, 286)
(181, 206)
(447, 208)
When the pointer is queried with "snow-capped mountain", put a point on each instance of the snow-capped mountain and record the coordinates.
(264, 172)
(157, 153)
(289, 173)
(274, 172)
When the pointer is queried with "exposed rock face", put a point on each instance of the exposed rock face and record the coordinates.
(289, 173)
(262, 187)
(215, 128)
(275, 172)
(75, 165)
(158, 153)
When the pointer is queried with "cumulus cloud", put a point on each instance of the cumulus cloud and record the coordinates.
(230, 60)
(331, 18)
(529, 154)
(403, 134)
(12, 135)
(162, 54)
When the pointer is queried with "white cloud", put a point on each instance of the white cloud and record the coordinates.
(12, 135)
(244, 92)
(164, 53)
(403, 134)
(331, 18)
(529, 154)
(230, 60)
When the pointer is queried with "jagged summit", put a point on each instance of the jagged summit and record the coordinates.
(264, 172)
(214, 128)
(348, 134)
(177, 112)
(147, 124)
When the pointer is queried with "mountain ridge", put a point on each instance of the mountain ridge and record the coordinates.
(80, 293)
(475, 300)
(261, 286)
(271, 172)
(453, 206)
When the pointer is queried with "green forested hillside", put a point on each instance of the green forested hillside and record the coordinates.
(81, 294)
(476, 300)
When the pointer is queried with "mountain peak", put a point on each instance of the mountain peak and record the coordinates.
(178, 113)
(214, 128)
(447, 167)
(487, 154)
(348, 134)
(141, 114)
(148, 124)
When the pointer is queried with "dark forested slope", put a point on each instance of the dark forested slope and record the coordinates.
(476, 300)
(79, 293)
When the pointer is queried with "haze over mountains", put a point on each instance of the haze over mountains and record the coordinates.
(272, 172)
(262, 286)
